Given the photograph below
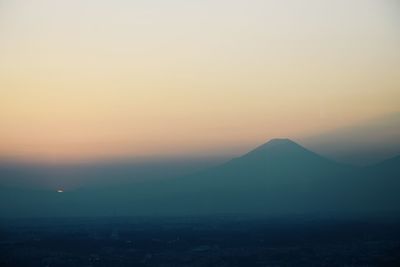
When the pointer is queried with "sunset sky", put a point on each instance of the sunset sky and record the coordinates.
(94, 79)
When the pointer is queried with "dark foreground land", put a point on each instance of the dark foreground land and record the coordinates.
(216, 241)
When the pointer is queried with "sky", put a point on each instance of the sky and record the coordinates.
(95, 79)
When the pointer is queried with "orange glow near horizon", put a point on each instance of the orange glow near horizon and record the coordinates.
(113, 79)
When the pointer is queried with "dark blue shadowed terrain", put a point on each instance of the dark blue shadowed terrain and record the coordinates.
(278, 205)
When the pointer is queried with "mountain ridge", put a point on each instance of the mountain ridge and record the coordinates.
(279, 176)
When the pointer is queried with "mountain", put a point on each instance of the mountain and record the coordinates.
(382, 182)
(389, 168)
(280, 158)
(279, 177)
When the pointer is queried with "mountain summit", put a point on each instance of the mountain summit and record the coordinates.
(282, 154)
(278, 142)
(275, 145)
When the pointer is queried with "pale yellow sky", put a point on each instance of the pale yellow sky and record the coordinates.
(93, 79)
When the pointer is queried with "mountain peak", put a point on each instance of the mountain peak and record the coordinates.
(281, 142)
(281, 155)
(279, 146)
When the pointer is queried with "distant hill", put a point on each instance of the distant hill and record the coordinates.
(279, 177)
(382, 182)
(388, 168)
(363, 144)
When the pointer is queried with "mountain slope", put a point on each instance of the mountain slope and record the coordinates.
(281, 158)
(388, 168)
(382, 184)
(279, 177)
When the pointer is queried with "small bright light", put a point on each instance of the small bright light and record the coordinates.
(60, 191)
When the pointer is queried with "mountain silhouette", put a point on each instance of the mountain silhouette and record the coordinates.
(281, 158)
(278, 177)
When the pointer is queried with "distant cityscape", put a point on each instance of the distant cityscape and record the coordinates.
(199, 241)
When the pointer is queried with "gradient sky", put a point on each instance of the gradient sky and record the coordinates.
(83, 80)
